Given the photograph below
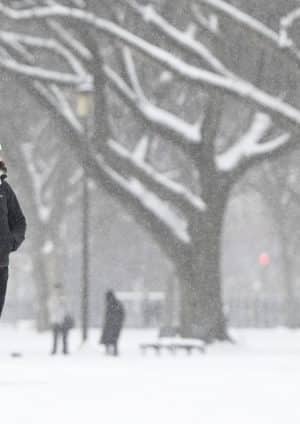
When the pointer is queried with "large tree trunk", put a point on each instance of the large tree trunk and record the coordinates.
(202, 314)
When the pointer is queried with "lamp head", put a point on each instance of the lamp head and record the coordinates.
(84, 99)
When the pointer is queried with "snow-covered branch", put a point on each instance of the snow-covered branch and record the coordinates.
(286, 24)
(166, 225)
(183, 40)
(252, 145)
(64, 106)
(132, 73)
(68, 39)
(158, 54)
(170, 191)
(141, 149)
(166, 220)
(40, 74)
(272, 145)
(289, 20)
(178, 130)
(241, 18)
(40, 174)
(210, 23)
(279, 41)
(15, 39)
(247, 146)
(7, 44)
(286, 114)
(167, 188)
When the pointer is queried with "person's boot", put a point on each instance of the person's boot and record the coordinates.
(65, 344)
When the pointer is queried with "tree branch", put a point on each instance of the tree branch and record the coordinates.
(287, 115)
(289, 20)
(75, 45)
(131, 72)
(40, 74)
(211, 23)
(160, 216)
(163, 230)
(169, 125)
(15, 39)
(181, 39)
(167, 228)
(283, 45)
(247, 146)
(167, 189)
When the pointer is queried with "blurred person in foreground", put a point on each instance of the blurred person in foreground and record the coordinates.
(60, 319)
(113, 323)
(12, 228)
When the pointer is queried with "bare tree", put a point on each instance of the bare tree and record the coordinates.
(186, 223)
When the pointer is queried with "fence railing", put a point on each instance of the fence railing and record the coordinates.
(262, 312)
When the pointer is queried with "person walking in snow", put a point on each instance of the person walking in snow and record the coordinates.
(12, 228)
(113, 323)
(60, 319)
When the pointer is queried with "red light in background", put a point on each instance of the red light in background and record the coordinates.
(264, 259)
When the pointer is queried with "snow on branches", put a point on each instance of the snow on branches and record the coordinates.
(235, 86)
(191, 62)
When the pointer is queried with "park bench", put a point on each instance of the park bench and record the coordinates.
(174, 345)
(170, 341)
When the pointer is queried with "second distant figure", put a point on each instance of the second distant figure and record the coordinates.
(113, 323)
(60, 319)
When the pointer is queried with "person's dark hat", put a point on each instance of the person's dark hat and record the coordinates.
(109, 295)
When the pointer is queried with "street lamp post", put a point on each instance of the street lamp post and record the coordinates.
(84, 111)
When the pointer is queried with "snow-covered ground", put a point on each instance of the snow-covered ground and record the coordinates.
(256, 381)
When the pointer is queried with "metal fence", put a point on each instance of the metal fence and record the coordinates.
(262, 312)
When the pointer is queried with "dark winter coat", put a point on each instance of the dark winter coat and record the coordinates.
(12, 223)
(113, 323)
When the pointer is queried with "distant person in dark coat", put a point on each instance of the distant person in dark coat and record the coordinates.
(12, 228)
(113, 323)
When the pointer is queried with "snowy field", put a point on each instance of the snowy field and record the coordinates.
(256, 381)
